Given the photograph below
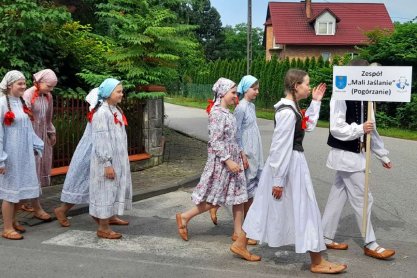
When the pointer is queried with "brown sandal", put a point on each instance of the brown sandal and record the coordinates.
(44, 216)
(182, 229)
(19, 228)
(118, 221)
(109, 235)
(244, 254)
(213, 215)
(328, 269)
(61, 217)
(13, 235)
(250, 241)
(27, 207)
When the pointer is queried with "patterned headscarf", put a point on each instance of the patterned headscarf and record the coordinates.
(244, 84)
(220, 88)
(107, 87)
(47, 76)
(8, 79)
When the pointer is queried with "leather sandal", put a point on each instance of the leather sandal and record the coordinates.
(118, 221)
(250, 241)
(387, 253)
(19, 228)
(44, 216)
(109, 235)
(27, 207)
(182, 229)
(337, 246)
(62, 219)
(13, 235)
(213, 215)
(328, 269)
(244, 254)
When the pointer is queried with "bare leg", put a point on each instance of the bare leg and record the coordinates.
(40, 213)
(198, 209)
(7, 209)
(238, 218)
(239, 247)
(247, 206)
(65, 207)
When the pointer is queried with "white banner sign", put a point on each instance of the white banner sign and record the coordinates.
(392, 84)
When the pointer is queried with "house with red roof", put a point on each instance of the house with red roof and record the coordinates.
(305, 29)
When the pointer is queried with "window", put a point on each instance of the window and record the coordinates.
(325, 28)
(326, 56)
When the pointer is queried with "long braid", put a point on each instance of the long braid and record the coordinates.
(8, 103)
(296, 102)
(26, 109)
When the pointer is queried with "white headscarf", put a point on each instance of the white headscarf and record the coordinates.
(92, 98)
(10, 77)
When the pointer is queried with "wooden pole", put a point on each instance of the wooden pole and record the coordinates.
(249, 39)
(367, 167)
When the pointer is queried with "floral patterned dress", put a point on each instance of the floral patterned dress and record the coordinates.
(219, 186)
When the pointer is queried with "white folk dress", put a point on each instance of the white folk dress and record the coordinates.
(17, 144)
(109, 197)
(249, 140)
(295, 218)
(77, 180)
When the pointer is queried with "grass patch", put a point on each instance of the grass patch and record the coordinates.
(268, 114)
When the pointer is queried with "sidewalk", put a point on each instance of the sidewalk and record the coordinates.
(184, 160)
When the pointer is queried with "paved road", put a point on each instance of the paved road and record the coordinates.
(395, 190)
(151, 247)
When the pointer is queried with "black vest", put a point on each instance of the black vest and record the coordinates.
(299, 131)
(353, 115)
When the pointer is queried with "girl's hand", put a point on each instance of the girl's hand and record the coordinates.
(318, 92)
(277, 192)
(245, 161)
(387, 165)
(2, 171)
(233, 166)
(52, 139)
(109, 173)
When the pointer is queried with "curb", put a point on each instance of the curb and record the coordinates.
(185, 183)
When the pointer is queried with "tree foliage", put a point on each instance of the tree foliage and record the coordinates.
(26, 43)
(148, 42)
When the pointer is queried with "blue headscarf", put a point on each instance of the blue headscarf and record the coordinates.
(106, 88)
(244, 84)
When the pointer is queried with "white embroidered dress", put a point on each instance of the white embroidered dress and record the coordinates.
(77, 180)
(17, 144)
(295, 218)
(249, 140)
(109, 197)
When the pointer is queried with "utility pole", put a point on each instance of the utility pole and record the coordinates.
(249, 39)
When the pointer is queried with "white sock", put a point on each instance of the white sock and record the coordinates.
(373, 246)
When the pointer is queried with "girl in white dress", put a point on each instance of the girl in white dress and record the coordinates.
(18, 145)
(110, 178)
(285, 209)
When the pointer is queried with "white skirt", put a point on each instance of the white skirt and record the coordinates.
(295, 218)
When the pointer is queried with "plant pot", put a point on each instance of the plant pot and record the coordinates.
(150, 88)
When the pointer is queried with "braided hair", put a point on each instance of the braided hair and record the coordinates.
(26, 109)
(292, 78)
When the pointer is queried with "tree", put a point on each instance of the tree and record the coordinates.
(236, 39)
(25, 35)
(148, 41)
(209, 29)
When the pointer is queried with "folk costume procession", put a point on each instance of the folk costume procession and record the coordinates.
(272, 202)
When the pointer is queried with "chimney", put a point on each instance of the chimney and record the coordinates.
(308, 8)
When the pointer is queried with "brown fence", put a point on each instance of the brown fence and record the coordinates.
(70, 121)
